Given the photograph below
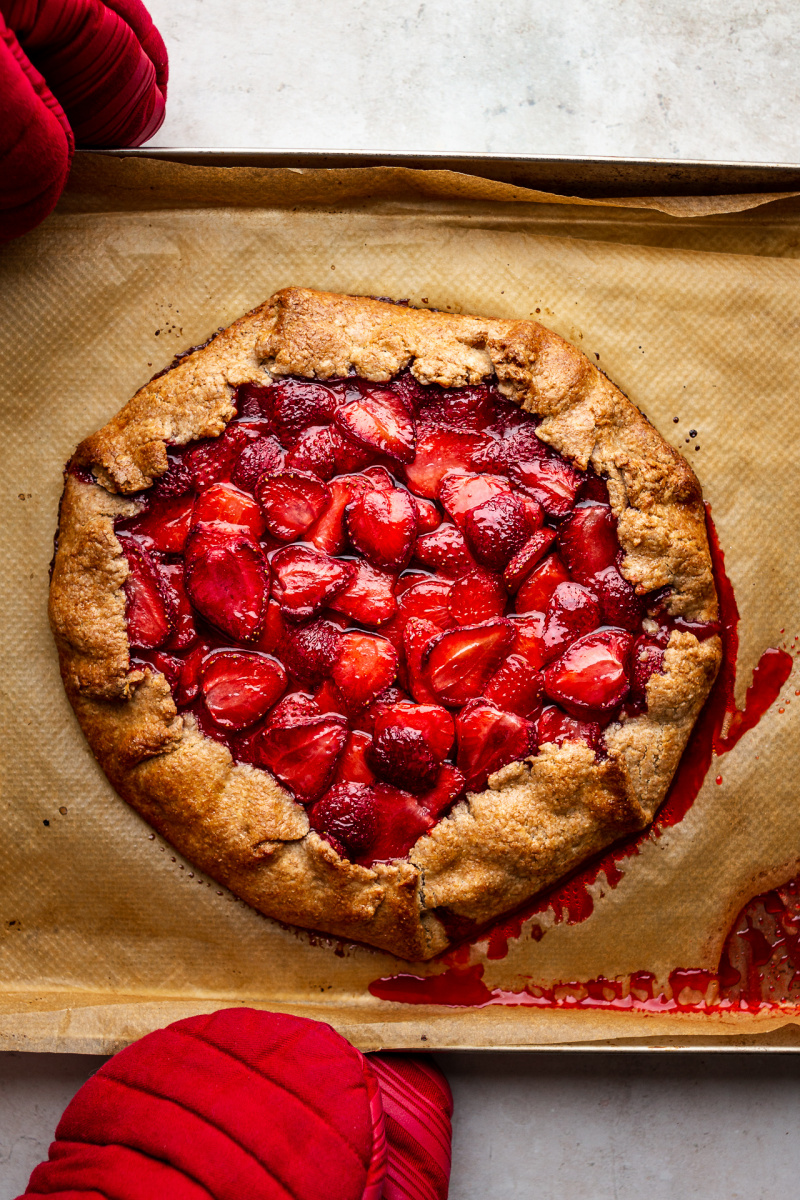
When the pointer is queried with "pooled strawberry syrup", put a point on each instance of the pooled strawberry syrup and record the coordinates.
(384, 593)
(760, 963)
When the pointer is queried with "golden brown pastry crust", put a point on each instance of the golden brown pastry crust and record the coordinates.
(536, 821)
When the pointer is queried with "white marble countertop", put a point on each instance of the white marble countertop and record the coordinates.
(716, 79)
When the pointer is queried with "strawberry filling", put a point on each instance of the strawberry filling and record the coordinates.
(382, 594)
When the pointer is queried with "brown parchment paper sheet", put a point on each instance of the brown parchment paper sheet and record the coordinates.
(105, 933)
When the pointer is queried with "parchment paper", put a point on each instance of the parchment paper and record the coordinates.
(104, 931)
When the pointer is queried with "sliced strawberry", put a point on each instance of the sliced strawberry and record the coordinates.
(263, 456)
(458, 663)
(304, 580)
(515, 687)
(488, 739)
(225, 504)
(588, 541)
(366, 665)
(428, 600)
(188, 686)
(417, 636)
(378, 477)
(240, 687)
(449, 785)
(496, 530)
(529, 642)
(534, 594)
(619, 603)
(315, 451)
(573, 611)
(472, 409)
(367, 718)
(440, 451)
(274, 632)
(347, 813)
(328, 699)
(428, 515)
(524, 561)
(431, 720)
(477, 597)
(298, 403)
(348, 456)
(254, 400)
(400, 755)
(368, 598)
(379, 420)
(382, 526)
(555, 726)
(291, 502)
(165, 525)
(647, 658)
(213, 461)
(521, 445)
(445, 551)
(353, 766)
(169, 666)
(551, 481)
(184, 632)
(591, 677)
(311, 651)
(533, 512)
(401, 823)
(459, 492)
(328, 532)
(303, 752)
(177, 479)
(147, 602)
(293, 707)
(227, 580)
(593, 487)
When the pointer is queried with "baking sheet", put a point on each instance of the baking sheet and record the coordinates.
(104, 931)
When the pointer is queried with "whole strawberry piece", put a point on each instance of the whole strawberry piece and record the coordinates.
(458, 663)
(213, 461)
(379, 420)
(263, 456)
(382, 526)
(444, 550)
(515, 688)
(177, 479)
(311, 651)
(347, 813)
(551, 481)
(476, 597)
(315, 451)
(588, 541)
(535, 593)
(240, 686)
(555, 726)
(488, 739)
(291, 502)
(146, 597)
(525, 560)
(459, 492)
(496, 530)
(302, 752)
(573, 610)
(304, 580)
(400, 754)
(298, 403)
(438, 452)
(591, 678)
(366, 665)
(618, 601)
(369, 597)
(227, 580)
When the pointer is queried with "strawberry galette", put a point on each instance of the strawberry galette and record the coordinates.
(385, 618)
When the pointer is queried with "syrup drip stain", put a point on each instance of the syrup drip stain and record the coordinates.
(740, 984)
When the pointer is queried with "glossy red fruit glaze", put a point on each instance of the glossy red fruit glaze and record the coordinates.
(445, 551)
(476, 597)
(240, 687)
(181, 614)
(353, 766)
(382, 525)
(328, 533)
(619, 604)
(302, 752)
(226, 504)
(552, 482)
(535, 593)
(448, 787)
(401, 755)
(457, 664)
(164, 526)
(428, 515)
(348, 813)
(169, 666)
(417, 636)
(273, 632)
(647, 658)
(227, 580)
(379, 420)
(304, 580)
(431, 720)
(488, 739)
(459, 492)
(525, 560)
(592, 678)
(496, 530)
(401, 822)
(369, 597)
(571, 611)
(555, 726)
(263, 456)
(440, 451)
(366, 664)
(291, 502)
(515, 687)
(529, 641)
(188, 687)
(587, 541)
(146, 598)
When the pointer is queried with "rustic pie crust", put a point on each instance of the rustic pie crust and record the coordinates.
(537, 820)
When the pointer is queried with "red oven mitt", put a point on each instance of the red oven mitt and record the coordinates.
(83, 71)
(248, 1105)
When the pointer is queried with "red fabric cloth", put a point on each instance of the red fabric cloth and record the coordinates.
(71, 70)
(246, 1104)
